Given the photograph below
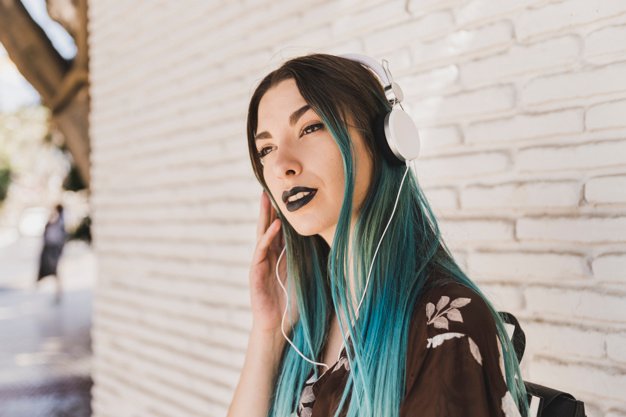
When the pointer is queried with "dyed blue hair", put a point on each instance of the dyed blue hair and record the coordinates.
(338, 90)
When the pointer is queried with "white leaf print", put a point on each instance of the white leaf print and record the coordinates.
(306, 412)
(460, 302)
(307, 395)
(475, 351)
(509, 407)
(454, 315)
(433, 342)
(430, 309)
(441, 323)
(443, 301)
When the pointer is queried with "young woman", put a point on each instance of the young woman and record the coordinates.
(381, 320)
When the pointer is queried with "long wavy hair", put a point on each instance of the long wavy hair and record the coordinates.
(339, 89)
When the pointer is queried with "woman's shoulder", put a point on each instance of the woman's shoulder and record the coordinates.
(453, 340)
(453, 307)
(447, 313)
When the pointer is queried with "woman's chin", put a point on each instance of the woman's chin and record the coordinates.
(309, 231)
(306, 229)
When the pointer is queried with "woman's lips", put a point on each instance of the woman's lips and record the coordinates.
(293, 206)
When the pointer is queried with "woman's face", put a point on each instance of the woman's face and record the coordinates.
(297, 150)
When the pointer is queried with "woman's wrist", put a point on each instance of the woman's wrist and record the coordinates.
(268, 346)
(267, 338)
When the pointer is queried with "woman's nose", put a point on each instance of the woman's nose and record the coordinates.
(286, 163)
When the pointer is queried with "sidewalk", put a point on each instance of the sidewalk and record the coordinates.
(45, 348)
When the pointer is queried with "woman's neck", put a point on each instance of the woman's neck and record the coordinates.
(328, 237)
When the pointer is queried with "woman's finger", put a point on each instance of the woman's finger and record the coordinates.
(265, 240)
(263, 216)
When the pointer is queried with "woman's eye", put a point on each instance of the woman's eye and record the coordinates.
(312, 128)
(309, 129)
(263, 152)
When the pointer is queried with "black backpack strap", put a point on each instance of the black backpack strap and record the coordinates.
(555, 402)
(552, 402)
(519, 338)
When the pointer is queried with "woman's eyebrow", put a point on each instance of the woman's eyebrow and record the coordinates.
(295, 116)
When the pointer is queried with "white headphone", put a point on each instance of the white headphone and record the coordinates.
(400, 131)
(401, 141)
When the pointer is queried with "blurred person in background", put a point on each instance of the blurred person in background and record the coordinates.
(54, 237)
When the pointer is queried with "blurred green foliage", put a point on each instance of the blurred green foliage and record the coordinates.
(5, 176)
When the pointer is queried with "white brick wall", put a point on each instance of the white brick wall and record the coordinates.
(521, 106)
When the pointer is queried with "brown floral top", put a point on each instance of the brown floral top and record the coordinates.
(454, 361)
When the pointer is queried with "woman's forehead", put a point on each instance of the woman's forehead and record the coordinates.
(283, 96)
(278, 104)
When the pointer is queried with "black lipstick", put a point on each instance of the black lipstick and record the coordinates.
(295, 205)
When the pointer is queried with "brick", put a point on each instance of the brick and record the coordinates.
(127, 391)
(399, 62)
(609, 414)
(576, 303)
(540, 195)
(606, 190)
(526, 266)
(503, 297)
(148, 377)
(475, 230)
(486, 101)
(610, 267)
(481, 11)
(541, 56)
(606, 115)
(565, 15)
(556, 340)
(438, 137)
(470, 42)
(574, 85)
(441, 198)
(598, 382)
(605, 45)
(133, 208)
(582, 156)
(580, 229)
(420, 7)
(462, 166)
(459, 257)
(430, 82)
(430, 25)
(183, 231)
(526, 126)
(387, 14)
(616, 347)
(111, 328)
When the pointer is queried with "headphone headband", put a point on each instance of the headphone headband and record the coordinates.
(393, 92)
(372, 64)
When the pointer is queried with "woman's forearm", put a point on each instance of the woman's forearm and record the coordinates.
(252, 395)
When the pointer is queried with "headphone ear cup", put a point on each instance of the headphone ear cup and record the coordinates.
(401, 135)
(381, 139)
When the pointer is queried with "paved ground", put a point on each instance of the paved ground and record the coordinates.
(45, 347)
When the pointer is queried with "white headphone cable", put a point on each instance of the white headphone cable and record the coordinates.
(282, 324)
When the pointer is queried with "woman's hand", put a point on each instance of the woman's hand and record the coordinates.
(267, 297)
